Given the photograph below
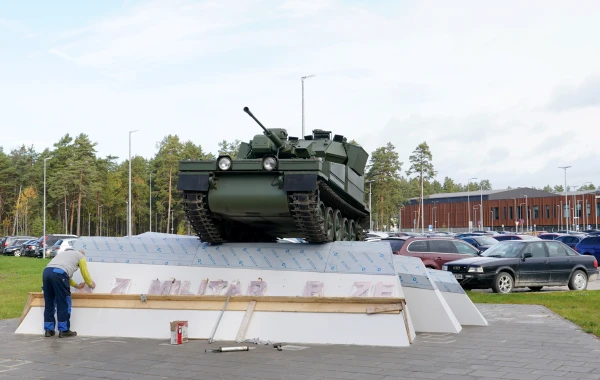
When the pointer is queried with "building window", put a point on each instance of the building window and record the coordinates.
(555, 210)
(578, 211)
(504, 213)
(496, 213)
(519, 213)
(588, 209)
(597, 209)
(510, 212)
(547, 212)
(536, 212)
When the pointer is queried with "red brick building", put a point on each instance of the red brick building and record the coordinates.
(497, 208)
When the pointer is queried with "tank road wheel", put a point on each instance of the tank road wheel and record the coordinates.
(345, 229)
(352, 229)
(329, 224)
(337, 225)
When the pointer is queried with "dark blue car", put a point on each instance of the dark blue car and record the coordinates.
(569, 240)
(589, 246)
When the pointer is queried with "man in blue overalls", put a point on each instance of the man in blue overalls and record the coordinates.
(57, 279)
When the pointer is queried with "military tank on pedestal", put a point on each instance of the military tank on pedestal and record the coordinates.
(278, 187)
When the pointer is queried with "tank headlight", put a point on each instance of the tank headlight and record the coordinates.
(269, 163)
(224, 163)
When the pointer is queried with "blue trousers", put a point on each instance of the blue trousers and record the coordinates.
(57, 296)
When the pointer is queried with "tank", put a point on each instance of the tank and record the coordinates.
(278, 186)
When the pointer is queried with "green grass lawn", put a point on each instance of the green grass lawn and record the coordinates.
(580, 308)
(18, 277)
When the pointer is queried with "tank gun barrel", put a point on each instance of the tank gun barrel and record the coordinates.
(273, 137)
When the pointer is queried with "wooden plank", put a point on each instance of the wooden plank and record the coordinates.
(382, 308)
(215, 304)
(406, 323)
(28, 304)
(241, 335)
(245, 299)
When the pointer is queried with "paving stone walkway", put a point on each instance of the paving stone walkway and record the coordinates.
(523, 342)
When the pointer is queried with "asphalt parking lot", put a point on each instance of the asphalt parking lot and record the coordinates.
(522, 342)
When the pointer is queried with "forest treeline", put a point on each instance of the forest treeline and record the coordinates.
(87, 195)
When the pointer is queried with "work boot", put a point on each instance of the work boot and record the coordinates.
(66, 334)
(49, 333)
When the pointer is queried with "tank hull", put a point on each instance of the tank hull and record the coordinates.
(309, 199)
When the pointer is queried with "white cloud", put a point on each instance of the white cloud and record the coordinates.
(471, 78)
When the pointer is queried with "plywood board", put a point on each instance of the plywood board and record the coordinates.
(263, 303)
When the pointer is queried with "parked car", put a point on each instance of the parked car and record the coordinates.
(525, 263)
(467, 234)
(550, 235)
(589, 246)
(515, 237)
(434, 251)
(8, 241)
(60, 246)
(30, 248)
(570, 240)
(481, 243)
(15, 247)
(50, 241)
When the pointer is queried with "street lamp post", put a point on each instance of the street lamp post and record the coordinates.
(370, 208)
(468, 203)
(150, 203)
(303, 79)
(415, 221)
(172, 221)
(400, 218)
(129, 202)
(521, 214)
(566, 190)
(481, 204)
(585, 217)
(527, 213)
(44, 233)
(596, 208)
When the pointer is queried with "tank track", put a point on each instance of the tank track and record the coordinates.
(203, 223)
(305, 208)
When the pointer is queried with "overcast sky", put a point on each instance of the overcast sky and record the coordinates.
(506, 91)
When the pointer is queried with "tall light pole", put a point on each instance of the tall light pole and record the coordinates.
(400, 218)
(521, 213)
(44, 233)
(584, 206)
(150, 204)
(129, 203)
(468, 203)
(370, 208)
(303, 79)
(566, 190)
(596, 208)
(526, 212)
(481, 204)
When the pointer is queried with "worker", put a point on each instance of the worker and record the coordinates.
(57, 279)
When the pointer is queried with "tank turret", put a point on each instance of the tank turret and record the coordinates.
(279, 187)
